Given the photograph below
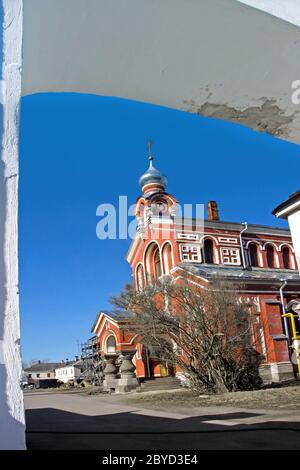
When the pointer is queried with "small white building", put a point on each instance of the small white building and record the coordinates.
(67, 372)
(41, 371)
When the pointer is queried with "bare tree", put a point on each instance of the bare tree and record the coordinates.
(206, 332)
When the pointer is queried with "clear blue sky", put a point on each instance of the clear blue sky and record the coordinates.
(78, 151)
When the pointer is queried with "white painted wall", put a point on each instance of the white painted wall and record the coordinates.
(12, 425)
(64, 374)
(291, 211)
(294, 223)
(41, 375)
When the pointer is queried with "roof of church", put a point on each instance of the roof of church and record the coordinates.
(238, 274)
(191, 224)
(237, 226)
(115, 315)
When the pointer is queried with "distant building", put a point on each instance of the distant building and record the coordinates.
(70, 371)
(41, 374)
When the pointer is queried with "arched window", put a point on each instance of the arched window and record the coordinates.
(270, 256)
(142, 214)
(208, 251)
(167, 258)
(111, 345)
(253, 253)
(140, 277)
(157, 264)
(286, 257)
(152, 262)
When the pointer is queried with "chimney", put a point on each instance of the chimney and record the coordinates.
(213, 211)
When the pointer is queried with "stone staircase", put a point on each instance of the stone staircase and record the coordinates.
(155, 384)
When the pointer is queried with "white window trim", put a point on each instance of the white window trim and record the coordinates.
(189, 246)
(231, 249)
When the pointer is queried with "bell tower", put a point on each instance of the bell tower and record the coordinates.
(155, 205)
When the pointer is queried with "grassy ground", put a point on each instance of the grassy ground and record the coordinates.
(285, 397)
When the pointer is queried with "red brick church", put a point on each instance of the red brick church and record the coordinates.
(260, 257)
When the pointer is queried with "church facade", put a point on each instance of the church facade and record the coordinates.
(259, 258)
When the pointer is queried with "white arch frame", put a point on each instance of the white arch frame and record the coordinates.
(292, 254)
(276, 253)
(216, 250)
(259, 251)
(136, 273)
(167, 242)
(287, 245)
(209, 236)
(249, 242)
(270, 243)
(104, 341)
(151, 242)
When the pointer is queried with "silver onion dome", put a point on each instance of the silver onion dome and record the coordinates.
(153, 176)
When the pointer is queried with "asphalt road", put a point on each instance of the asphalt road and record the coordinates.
(67, 421)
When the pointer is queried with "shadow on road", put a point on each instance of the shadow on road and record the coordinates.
(55, 429)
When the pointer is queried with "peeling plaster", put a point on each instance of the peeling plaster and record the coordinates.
(268, 117)
(12, 419)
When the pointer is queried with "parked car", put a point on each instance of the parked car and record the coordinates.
(28, 386)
